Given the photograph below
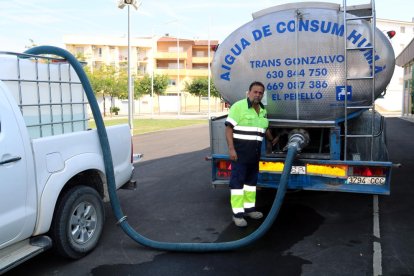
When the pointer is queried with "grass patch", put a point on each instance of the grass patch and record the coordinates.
(150, 125)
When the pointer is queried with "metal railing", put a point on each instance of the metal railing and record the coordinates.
(48, 92)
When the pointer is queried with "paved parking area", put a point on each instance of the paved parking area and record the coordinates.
(316, 233)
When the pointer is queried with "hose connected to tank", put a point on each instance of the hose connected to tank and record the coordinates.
(295, 144)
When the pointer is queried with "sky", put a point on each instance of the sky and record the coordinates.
(45, 22)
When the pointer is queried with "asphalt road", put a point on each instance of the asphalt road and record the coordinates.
(316, 233)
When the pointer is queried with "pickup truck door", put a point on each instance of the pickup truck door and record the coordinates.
(17, 218)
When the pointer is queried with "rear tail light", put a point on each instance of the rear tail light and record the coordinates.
(391, 34)
(370, 171)
(223, 169)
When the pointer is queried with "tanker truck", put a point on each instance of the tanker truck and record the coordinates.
(323, 65)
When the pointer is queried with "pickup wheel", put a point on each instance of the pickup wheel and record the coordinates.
(78, 222)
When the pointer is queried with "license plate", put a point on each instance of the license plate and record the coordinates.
(298, 170)
(278, 168)
(366, 180)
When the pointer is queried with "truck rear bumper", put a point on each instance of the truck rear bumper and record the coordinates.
(366, 177)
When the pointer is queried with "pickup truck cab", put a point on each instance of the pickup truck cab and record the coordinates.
(52, 174)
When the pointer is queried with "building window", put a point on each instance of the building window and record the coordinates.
(402, 29)
(141, 70)
(173, 65)
(100, 52)
(172, 82)
(200, 66)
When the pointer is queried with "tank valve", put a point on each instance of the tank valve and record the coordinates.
(298, 138)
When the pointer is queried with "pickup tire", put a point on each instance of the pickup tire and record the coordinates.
(78, 222)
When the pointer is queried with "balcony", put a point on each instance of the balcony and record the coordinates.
(170, 55)
(183, 72)
(169, 72)
(201, 59)
(197, 73)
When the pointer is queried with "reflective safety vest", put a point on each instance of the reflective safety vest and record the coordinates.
(248, 130)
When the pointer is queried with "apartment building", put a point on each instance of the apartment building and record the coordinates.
(406, 60)
(192, 57)
(393, 99)
(180, 59)
(111, 51)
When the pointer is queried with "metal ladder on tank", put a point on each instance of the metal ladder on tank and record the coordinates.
(360, 12)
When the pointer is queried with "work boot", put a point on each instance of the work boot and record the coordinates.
(254, 215)
(240, 222)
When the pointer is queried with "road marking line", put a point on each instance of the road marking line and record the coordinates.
(377, 257)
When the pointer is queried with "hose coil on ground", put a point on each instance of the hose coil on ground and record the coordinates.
(115, 204)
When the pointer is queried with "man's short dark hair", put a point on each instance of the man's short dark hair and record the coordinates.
(256, 83)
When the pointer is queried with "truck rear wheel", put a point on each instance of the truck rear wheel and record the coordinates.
(78, 222)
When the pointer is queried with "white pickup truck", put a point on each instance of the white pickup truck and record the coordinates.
(52, 174)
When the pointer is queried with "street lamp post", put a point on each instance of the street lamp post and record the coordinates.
(121, 5)
(178, 76)
(209, 70)
(152, 79)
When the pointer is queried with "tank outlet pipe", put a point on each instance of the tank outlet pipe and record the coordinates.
(292, 150)
(298, 138)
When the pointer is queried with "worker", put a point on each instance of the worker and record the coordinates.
(246, 126)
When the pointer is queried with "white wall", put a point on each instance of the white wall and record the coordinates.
(394, 96)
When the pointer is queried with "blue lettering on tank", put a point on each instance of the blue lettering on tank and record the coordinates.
(281, 27)
(231, 58)
(354, 37)
(322, 26)
(302, 96)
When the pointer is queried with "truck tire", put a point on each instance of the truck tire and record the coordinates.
(78, 222)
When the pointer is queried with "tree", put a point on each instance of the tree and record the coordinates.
(107, 80)
(80, 56)
(199, 87)
(213, 90)
(143, 86)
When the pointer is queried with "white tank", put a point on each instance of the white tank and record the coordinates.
(298, 52)
(50, 95)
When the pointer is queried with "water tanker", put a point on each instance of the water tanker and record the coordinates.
(298, 52)
(323, 65)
